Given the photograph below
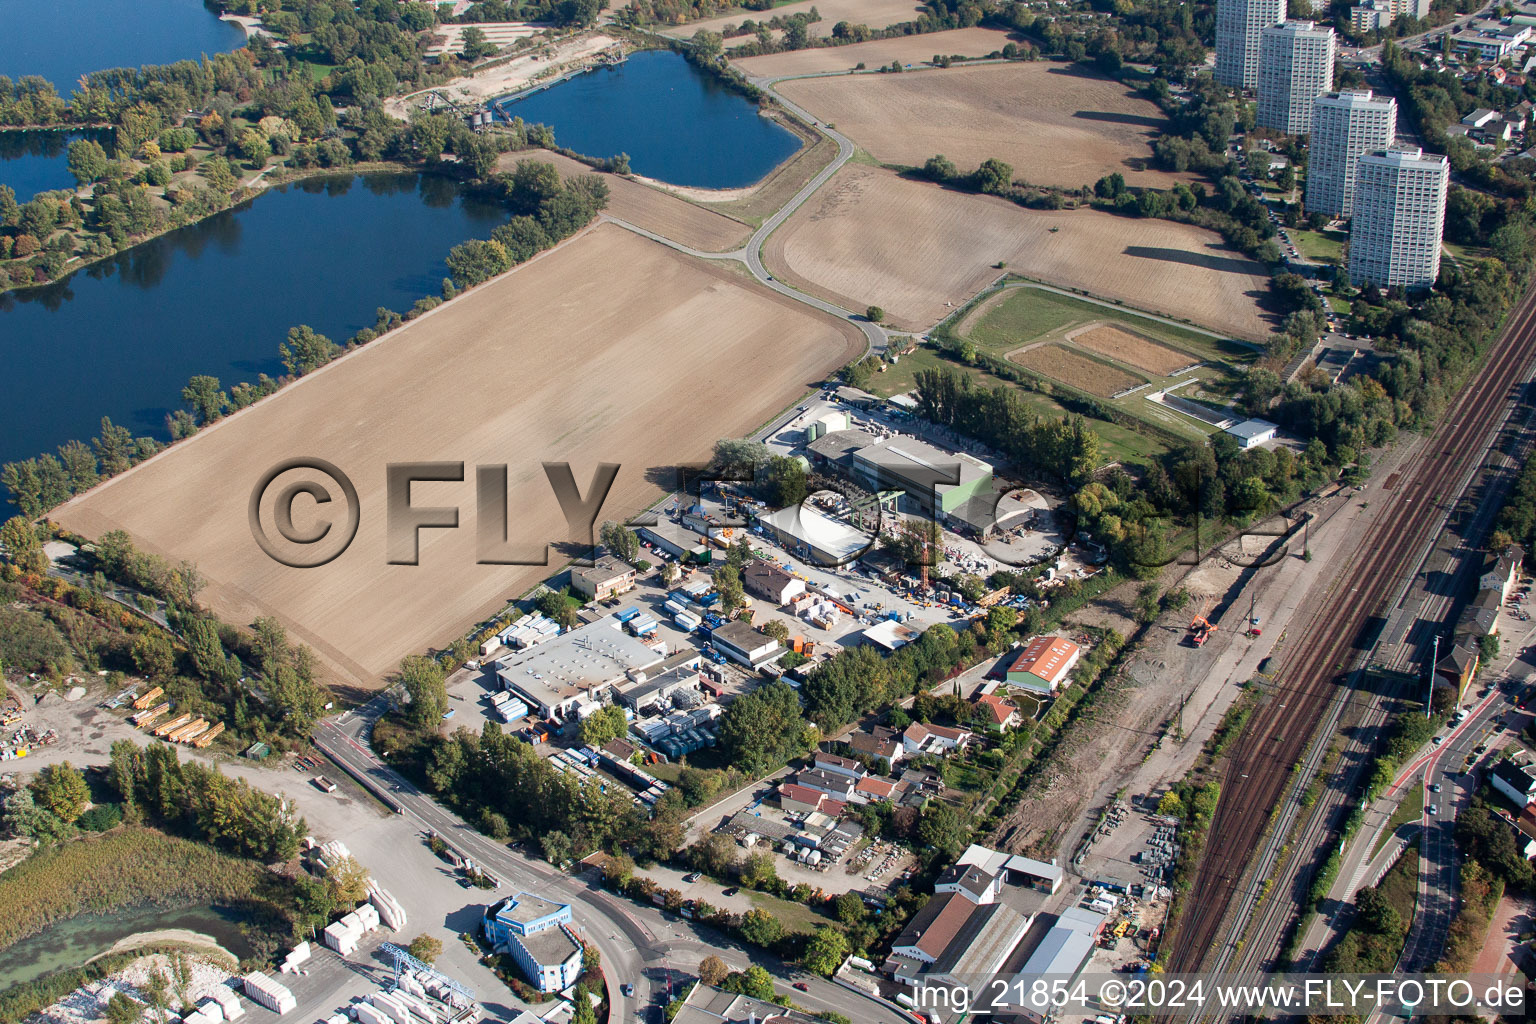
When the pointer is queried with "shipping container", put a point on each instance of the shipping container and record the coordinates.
(625, 614)
(687, 621)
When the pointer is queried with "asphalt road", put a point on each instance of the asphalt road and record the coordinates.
(638, 944)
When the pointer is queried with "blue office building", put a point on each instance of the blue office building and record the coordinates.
(537, 934)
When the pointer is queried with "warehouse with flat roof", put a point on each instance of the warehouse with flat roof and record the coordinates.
(583, 664)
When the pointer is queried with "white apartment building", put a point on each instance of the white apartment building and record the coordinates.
(1238, 24)
(1295, 68)
(1394, 238)
(1345, 126)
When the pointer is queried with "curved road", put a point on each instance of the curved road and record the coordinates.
(751, 254)
(638, 944)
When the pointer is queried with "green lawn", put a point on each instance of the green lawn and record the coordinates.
(1120, 444)
(1463, 253)
(1411, 809)
(1338, 304)
(1321, 246)
(1029, 313)
(795, 917)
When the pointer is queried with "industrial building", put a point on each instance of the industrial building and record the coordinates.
(1252, 433)
(536, 932)
(1489, 40)
(1042, 664)
(577, 667)
(934, 482)
(981, 947)
(1295, 68)
(674, 684)
(1394, 238)
(1014, 868)
(812, 534)
(1345, 126)
(1238, 27)
(675, 541)
(708, 1005)
(599, 582)
(741, 643)
(891, 635)
(1063, 949)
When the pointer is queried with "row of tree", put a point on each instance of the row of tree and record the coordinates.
(199, 801)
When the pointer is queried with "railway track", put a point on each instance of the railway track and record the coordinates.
(1278, 736)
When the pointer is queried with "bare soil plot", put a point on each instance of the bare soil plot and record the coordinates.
(611, 348)
(1127, 347)
(1075, 369)
(1055, 124)
(872, 237)
(874, 13)
(651, 208)
(959, 42)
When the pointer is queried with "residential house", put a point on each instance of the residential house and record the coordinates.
(970, 881)
(1457, 667)
(1517, 782)
(879, 742)
(873, 789)
(803, 800)
(767, 581)
(1501, 571)
(1000, 712)
(923, 738)
(835, 765)
(839, 787)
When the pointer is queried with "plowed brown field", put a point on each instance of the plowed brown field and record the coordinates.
(610, 348)
(871, 237)
(1056, 124)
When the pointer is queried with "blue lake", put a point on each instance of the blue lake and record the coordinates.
(63, 40)
(122, 337)
(677, 124)
(33, 162)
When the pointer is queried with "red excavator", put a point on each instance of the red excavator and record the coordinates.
(1200, 630)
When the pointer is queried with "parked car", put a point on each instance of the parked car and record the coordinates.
(692, 876)
(732, 891)
(627, 988)
(802, 986)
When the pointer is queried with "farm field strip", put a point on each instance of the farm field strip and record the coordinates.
(1054, 124)
(1075, 369)
(1127, 347)
(967, 42)
(873, 13)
